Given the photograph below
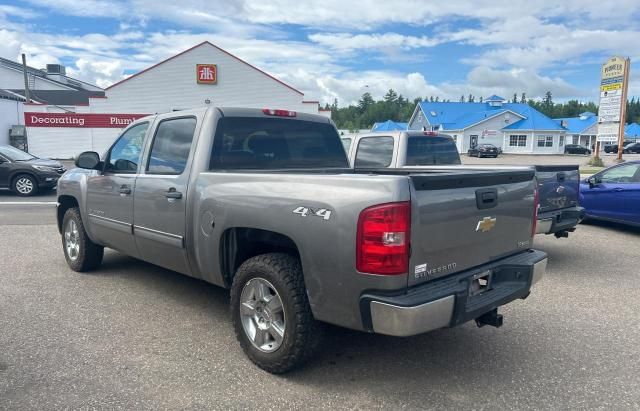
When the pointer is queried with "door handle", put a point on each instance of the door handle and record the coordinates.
(618, 189)
(173, 194)
(124, 189)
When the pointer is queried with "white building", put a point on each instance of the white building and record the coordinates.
(581, 130)
(202, 75)
(514, 127)
(47, 86)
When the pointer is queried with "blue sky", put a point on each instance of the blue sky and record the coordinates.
(342, 48)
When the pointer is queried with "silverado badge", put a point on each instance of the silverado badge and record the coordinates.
(486, 224)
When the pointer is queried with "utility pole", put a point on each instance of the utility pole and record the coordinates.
(26, 80)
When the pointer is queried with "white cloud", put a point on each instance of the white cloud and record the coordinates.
(485, 81)
(86, 8)
(100, 73)
(349, 42)
(516, 41)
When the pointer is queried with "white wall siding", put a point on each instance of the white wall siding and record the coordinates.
(172, 86)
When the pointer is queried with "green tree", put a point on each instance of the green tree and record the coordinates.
(365, 102)
(391, 96)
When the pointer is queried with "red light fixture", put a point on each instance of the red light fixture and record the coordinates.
(383, 239)
(279, 113)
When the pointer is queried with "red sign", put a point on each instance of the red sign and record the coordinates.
(80, 120)
(206, 73)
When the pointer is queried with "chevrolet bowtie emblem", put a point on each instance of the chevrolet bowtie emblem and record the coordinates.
(486, 224)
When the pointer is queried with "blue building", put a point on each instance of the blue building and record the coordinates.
(581, 130)
(632, 132)
(515, 127)
(389, 125)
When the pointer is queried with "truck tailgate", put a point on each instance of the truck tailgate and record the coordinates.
(464, 219)
(558, 187)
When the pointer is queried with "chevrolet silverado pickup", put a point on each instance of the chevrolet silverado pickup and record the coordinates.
(264, 203)
(558, 186)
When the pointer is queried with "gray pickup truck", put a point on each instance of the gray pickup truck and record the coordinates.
(558, 186)
(263, 202)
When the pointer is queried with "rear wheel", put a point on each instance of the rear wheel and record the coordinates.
(25, 185)
(81, 253)
(271, 313)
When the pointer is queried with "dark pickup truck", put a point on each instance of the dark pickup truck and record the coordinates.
(558, 186)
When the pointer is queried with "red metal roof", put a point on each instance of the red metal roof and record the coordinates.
(196, 46)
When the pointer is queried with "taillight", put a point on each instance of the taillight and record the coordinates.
(536, 205)
(383, 239)
(279, 113)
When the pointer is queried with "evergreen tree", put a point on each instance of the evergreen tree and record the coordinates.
(523, 99)
(365, 102)
(391, 96)
(462, 98)
(515, 98)
(481, 98)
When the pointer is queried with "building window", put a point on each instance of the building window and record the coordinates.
(455, 138)
(545, 141)
(517, 140)
(561, 141)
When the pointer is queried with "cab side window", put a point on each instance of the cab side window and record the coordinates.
(374, 152)
(628, 173)
(171, 146)
(124, 155)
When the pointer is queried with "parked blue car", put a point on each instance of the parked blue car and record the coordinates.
(613, 194)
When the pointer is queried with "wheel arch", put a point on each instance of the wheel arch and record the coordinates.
(65, 202)
(17, 173)
(238, 244)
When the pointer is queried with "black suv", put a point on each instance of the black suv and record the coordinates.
(576, 149)
(613, 148)
(632, 148)
(26, 174)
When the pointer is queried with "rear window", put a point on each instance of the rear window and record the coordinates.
(276, 143)
(374, 152)
(422, 151)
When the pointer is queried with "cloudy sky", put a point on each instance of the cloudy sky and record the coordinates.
(342, 48)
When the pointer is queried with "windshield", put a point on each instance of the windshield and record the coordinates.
(15, 154)
(423, 151)
(276, 143)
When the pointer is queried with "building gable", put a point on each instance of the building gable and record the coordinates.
(172, 85)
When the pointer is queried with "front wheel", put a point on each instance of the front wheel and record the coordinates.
(271, 313)
(25, 185)
(81, 253)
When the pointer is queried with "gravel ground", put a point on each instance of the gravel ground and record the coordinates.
(134, 336)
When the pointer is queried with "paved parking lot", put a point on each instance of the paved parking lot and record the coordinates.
(524, 159)
(134, 336)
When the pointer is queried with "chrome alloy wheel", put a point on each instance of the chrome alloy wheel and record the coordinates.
(262, 315)
(24, 185)
(72, 240)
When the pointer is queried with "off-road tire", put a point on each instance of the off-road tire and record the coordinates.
(302, 332)
(89, 254)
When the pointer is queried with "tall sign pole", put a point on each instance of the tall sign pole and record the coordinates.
(623, 111)
(614, 81)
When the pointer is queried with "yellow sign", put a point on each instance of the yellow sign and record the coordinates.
(614, 67)
(611, 87)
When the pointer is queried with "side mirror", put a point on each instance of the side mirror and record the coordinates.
(89, 160)
(593, 181)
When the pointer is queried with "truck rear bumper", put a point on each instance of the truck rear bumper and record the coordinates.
(560, 220)
(453, 300)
